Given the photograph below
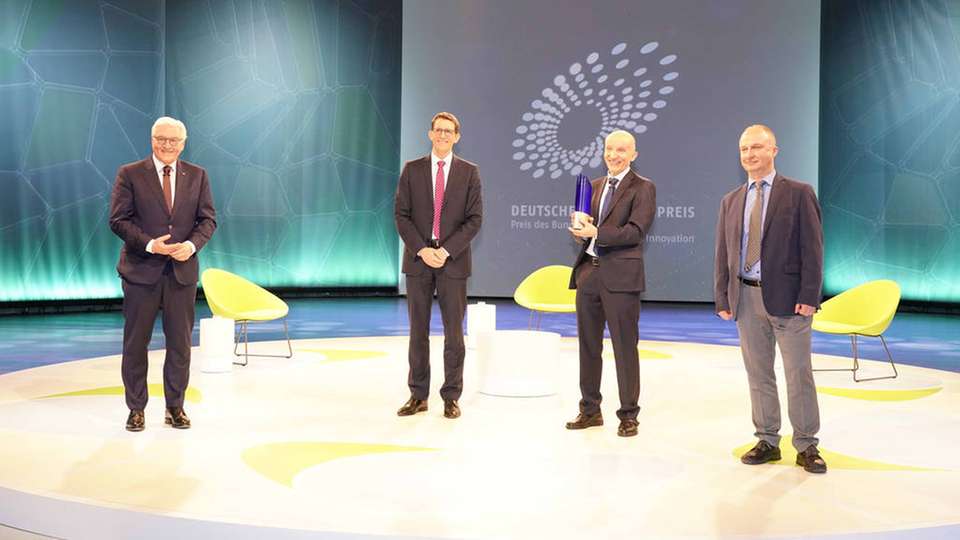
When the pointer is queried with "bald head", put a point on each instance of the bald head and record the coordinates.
(761, 129)
(758, 148)
(619, 151)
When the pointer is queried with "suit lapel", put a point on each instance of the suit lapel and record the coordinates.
(182, 189)
(153, 182)
(777, 194)
(454, 180)
(426, 183)
(622, 186)
(595, 201)
(738, 208)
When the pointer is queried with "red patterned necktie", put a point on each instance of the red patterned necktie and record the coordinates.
(167, 189)
(438, 200)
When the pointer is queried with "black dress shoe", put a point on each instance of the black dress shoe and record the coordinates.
(761, 453)
(811, 461)
(176, 418)
(628, 428)
(583, 421)
(135, 420)
(451, 409)
(412, 406)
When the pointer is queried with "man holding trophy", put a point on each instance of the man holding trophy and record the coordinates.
(609, 278)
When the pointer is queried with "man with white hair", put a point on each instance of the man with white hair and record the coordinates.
(162, 209)
(608, 276)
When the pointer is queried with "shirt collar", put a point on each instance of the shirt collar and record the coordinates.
(768, 179)
(446, 161)
(160, 165)
(620, 176)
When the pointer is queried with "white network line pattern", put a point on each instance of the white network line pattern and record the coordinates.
(626, 90)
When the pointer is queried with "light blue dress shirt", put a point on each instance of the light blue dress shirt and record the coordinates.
(766, 185)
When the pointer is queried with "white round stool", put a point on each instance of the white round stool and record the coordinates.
(481, 317)
(216, 345)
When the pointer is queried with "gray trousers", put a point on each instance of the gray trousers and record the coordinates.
(759, 332)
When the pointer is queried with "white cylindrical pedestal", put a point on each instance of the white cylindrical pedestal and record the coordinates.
(216, 345)
(518, 363)
(481, 317)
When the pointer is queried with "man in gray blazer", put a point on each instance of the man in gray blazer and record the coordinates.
(609, 278)
(438, 211)
(162, 209)
(769, 273)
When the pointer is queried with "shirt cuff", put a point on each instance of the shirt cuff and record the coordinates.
(150, 246)
(193, 248)
(445, 252)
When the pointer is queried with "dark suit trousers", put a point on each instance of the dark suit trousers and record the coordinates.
(621, 312)
(452, 295)
(140, 306)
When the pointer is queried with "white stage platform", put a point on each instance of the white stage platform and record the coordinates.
(311, 447)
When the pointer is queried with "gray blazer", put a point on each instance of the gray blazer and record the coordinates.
(791, 250)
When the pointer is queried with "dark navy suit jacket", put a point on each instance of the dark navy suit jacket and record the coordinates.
(138, 214)
(460, 217)
(621, 235)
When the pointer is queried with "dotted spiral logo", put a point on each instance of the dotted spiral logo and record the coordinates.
(617, 92)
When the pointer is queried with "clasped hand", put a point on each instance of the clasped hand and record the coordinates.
(434, 258)
(180, 251)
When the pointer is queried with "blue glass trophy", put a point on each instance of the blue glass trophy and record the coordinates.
(581, 203)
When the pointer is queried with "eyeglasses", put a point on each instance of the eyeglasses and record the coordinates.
(441, 131)
(168, 141)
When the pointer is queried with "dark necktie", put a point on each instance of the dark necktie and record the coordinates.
(608, 200)
(438, 200)
(754, 232)
(167, 188)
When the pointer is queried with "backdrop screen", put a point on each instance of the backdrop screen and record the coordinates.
(537, 85)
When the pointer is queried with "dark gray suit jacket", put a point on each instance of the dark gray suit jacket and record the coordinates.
(620, 237)
(138, 214)
(460, 217)
(791, 250)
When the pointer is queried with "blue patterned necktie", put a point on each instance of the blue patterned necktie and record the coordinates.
(607, 202)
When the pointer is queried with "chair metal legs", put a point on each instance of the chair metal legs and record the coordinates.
(242, 331)
(535, 317)
(856, 362)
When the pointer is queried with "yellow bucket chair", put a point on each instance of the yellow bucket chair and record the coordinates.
(865, 310)
(234, 297)
(546, 290)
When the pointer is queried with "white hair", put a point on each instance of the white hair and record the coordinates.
(167, 121)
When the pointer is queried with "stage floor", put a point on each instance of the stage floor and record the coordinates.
(289, 448)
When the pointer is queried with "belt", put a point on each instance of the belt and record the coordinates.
(749, 282)
(435, 244)
(595, 261)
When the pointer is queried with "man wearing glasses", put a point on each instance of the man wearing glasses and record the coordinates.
(438, 210)
(162, 209)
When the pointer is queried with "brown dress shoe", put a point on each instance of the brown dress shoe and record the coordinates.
(176, 418)
(583, 421)
(762, 452)
(451, 409)
(135, 420)
(412, 406)
(811, 461)
(628, 428)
